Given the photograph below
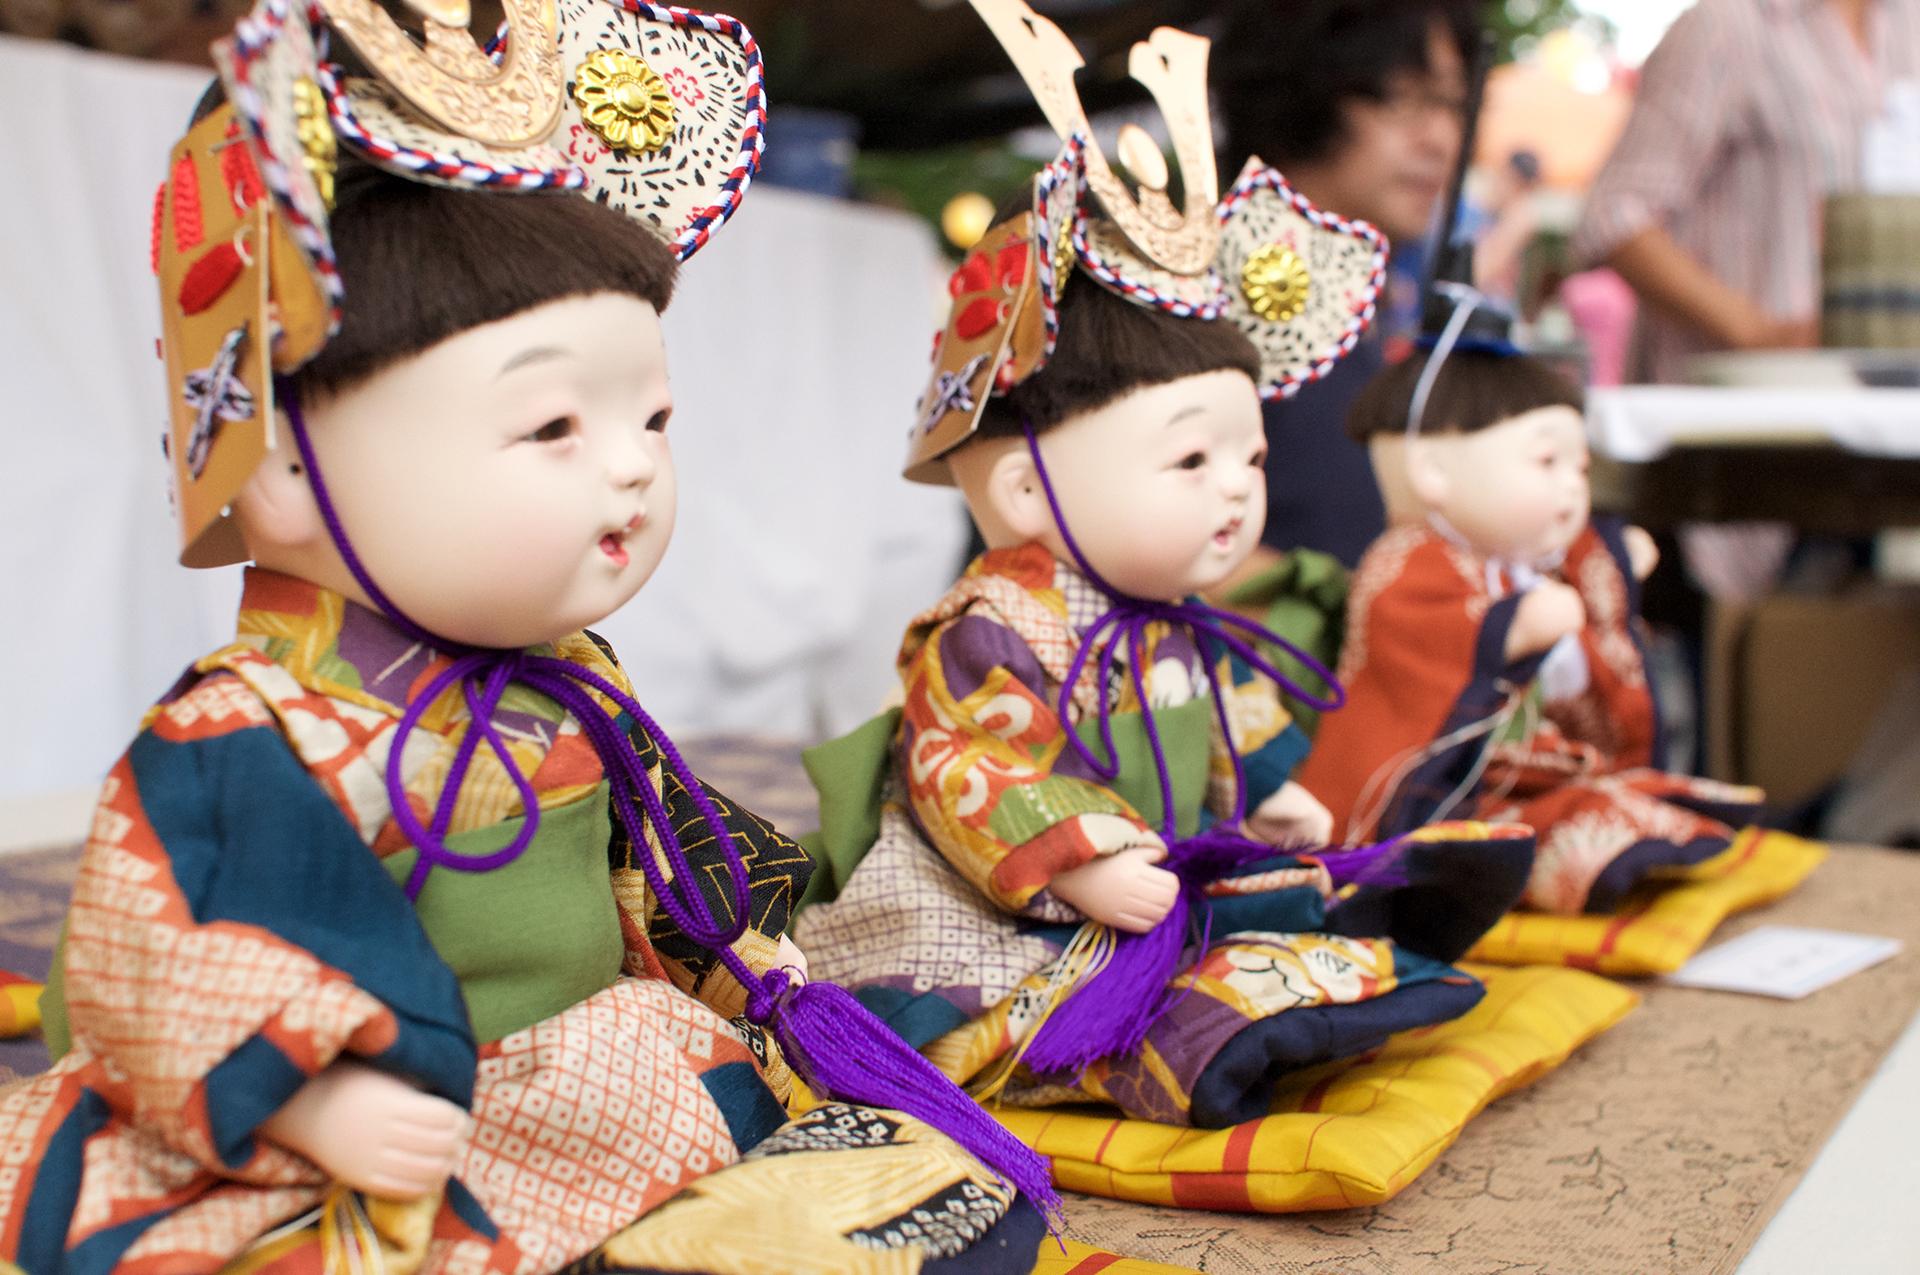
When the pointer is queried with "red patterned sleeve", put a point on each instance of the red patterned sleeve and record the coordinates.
(231, 935)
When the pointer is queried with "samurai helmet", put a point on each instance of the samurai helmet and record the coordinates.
(1301, 282)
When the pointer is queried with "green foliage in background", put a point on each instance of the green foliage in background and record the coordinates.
(923, 181)
(1517, 24)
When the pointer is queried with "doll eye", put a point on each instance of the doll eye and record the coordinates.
(1258, 460)
(552, 432)
(657, 423)
(1193, 460)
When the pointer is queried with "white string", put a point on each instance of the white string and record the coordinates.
(1529, 714)
(1518, 705)
(1384, 784)
(1466, 300)
(287, 1228)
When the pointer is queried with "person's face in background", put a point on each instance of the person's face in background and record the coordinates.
(1391, 163)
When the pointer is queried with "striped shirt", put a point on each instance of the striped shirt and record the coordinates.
(1748, 114)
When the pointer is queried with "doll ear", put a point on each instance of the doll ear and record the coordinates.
(1016, 495)
(1427, 472)
(276, 508)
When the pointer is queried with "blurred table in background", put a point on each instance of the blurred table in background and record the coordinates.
(1792, 681)
(1833, 459)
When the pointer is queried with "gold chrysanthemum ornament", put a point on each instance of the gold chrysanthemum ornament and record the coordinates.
(624, 101)
(1276, 283)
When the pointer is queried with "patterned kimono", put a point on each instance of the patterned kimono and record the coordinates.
(239, 923)
(944, 924)
(1432, 699)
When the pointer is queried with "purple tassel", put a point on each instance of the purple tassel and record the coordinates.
(1111, 1013)
(842, 1051)
(1380, 864)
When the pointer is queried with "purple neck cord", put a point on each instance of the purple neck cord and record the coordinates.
(832, 1041)
(483, 675)
(1127, 618)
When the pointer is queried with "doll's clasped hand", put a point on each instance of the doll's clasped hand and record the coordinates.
(791, 959)
(372, 1131)
(1549, 611)
(1291, 819)
(1125, 889)
(1643, 555)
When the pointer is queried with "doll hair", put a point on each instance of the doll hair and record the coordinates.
(1108, 347)
(423, 263)
(1474, 389)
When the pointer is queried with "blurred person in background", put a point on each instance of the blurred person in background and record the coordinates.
(1361, 104)
(1748, 114)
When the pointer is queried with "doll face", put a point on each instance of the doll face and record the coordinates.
(1163, 488)
(1515, 490)
(512, 483)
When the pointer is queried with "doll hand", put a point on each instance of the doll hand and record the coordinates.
(1123, 889)
(372, 1132)
(791, 959)
(1291, 818)
(1550, 611)
(1642, 554)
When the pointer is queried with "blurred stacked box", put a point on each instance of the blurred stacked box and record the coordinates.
(1871, 272)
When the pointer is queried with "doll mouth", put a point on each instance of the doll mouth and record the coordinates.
(1226, 536)
(614, 543)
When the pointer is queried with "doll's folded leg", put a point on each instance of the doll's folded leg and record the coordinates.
(841, 1190)
(1600, 839)
(1448, 885)
(1735, 805)
(1262, 1005)
(1239, 1083)
(1641, 861)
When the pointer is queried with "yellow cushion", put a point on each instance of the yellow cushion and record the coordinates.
(1656, 933)
(19, 1005)
(1083, 1259)
(1345, 1134)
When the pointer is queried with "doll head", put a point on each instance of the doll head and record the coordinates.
(1150, 429)
(354, 229)
(490, 418)
(1499, 458)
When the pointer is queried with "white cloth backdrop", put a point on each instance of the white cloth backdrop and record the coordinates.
(797, 344)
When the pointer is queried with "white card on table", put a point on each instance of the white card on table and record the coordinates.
(1787, 961)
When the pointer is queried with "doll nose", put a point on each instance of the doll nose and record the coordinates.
(628, 462)
(1236, 481)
